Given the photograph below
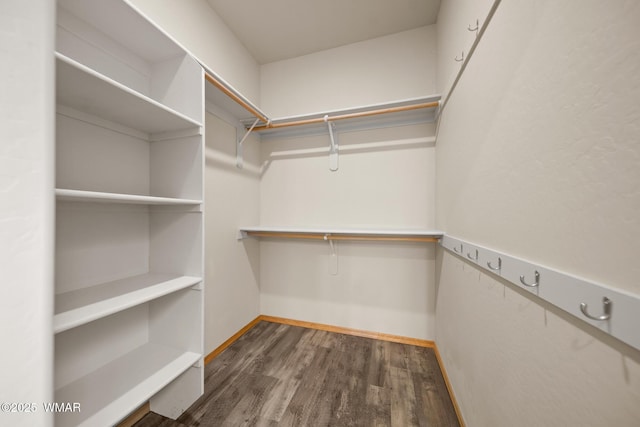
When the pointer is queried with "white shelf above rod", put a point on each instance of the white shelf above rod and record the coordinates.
(333, 235)
(612, 311)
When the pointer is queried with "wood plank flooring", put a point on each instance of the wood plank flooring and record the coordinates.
(281, 375)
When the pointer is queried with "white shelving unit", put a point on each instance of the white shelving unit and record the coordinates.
(128, 318)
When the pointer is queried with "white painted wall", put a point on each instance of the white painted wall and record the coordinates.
(199, 29)
(380, 70)
(455, 17)
(538, 157)
(385, 180)
(231, 200)
(26, 208)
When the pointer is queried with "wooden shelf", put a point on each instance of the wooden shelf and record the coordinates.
(76, 308)
(322, 233)
(84, 89)
(116, 389)
(97, 196)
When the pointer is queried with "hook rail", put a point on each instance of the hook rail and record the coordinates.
(572, 294)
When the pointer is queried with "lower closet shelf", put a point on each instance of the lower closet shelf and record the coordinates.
(75, 308)
(97, 196)
(113, 391)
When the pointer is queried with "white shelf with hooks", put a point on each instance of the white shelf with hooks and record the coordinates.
(582, 298)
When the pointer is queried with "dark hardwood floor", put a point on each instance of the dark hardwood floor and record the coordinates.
(280, 375)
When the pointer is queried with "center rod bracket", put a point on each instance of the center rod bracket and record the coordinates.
(333, 148)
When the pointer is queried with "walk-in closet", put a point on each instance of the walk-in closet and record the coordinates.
(314, 213)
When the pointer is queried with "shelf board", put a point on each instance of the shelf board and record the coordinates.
(341, 233)
(111, 392)
(84, 89)
(395, 113)
(97, 196)
(76, 308)
(121, 21)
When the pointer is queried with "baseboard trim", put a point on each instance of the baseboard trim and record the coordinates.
(222, 347)
(452, 396)
(349, 331)
(136, 415)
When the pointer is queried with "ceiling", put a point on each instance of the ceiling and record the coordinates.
(273, 30)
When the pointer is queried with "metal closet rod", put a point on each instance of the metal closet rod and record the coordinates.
(348, 116)
(328, 236)
(208, 77)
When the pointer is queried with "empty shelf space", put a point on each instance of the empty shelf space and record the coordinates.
(84, 89)
(118, 388)
(76, 308)
(97, 196)
(397, 235)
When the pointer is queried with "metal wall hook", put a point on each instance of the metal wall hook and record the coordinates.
(606, 307)
(461, 58)
(476, 28)
(455, 249)
(535, 283)
(498, 268)
(472, 258)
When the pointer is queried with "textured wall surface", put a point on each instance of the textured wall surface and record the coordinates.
(380, 70)
(385, 180)
(537, 157)
(26, 208)
(196, 26)
(231, 200)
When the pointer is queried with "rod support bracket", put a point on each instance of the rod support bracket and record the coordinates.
(239, 141)
(333, 148)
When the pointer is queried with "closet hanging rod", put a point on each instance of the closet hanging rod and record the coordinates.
(348, 116)
(208, 77)
(328, 236)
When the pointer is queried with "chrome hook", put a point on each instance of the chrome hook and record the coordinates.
(535, 283)
(498, 268)
(606, 307)
(461, 59)
(476, 28)
(455, 249)
(472, 258)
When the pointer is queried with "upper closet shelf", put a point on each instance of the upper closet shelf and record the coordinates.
(408, 111)
(341, 233)
(84, 89)
(228, 101)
